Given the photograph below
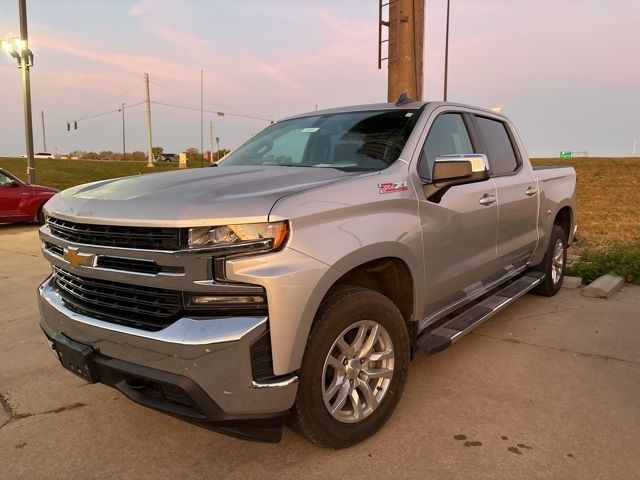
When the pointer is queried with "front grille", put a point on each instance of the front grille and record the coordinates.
(148, 238)
(129, 265)
(148, 308)
(55, 249)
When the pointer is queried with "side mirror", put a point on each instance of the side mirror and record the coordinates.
(450, 170)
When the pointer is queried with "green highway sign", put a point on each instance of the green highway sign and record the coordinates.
(565, 155)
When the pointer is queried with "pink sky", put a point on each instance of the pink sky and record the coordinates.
(566, 71)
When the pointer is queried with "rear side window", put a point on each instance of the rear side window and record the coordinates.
(448, 135)
(500, 152)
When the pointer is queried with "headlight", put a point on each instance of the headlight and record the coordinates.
(238, 234)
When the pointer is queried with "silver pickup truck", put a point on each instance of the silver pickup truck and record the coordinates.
(294, 281)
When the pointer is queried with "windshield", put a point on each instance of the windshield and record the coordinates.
(353, 141)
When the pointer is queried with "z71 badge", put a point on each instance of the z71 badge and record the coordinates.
(391, 187)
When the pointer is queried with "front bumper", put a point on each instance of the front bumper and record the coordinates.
(208, 359)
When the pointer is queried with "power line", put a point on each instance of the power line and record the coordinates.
(113, 99)
(255, 117)
(107, 113)
(195, 97)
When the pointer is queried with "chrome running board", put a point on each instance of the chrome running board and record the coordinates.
(441, 337)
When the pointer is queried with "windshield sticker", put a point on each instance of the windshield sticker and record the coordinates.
(391, 187)
(408, 114)
(309, 130)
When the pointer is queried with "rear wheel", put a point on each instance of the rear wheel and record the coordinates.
(354, 369)
(553, 264)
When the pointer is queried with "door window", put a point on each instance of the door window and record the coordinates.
(5, 181)
(448, 135)
(500, 152)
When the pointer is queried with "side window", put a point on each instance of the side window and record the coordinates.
(500, 152)
(448, 135)
(4, 180)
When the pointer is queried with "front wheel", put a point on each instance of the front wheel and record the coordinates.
(354, 368)
(40, 216)
(553, 264)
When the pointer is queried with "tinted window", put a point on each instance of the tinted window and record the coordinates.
(448, 135)
(355, 141)
(499, 148)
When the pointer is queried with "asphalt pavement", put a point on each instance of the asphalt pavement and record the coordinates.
(549, 388)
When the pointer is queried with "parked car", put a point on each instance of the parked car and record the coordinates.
(41, 155)
(20, 202)
(294, 281)
(168, 157)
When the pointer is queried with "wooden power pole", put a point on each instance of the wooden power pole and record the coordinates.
(405, 47)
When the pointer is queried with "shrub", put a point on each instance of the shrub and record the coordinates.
(622, 260)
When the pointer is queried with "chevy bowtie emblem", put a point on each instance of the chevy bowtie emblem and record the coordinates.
(78, 259)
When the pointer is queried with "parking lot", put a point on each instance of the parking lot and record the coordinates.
(549, 388)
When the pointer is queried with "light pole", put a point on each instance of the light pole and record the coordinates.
(124, 149)
(446, 55)
(19, 49)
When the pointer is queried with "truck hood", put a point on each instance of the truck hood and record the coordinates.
(193, 197)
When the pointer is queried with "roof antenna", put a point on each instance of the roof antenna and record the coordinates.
(403, 99)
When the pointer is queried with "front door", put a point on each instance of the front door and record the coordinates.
(10, 196)
(458, 229)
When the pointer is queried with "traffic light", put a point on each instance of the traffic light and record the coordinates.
(75, 125)
(68, 126)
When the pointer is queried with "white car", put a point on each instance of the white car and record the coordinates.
(41, 155)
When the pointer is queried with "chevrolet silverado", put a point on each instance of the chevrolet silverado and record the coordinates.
(293, 282)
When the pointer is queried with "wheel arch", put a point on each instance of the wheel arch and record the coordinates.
(564, 219)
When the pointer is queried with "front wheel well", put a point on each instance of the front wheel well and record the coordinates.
(389, 276)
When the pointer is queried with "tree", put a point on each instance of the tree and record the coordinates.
(157, 151)
(220, 153)
(193, 155)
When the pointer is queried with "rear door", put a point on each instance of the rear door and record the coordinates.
(517, 191)
(458, 231)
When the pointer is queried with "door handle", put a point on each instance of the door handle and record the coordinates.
(530, 191)
(487, 199)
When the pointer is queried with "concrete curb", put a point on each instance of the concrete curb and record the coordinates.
(572, 282)
(603, 287)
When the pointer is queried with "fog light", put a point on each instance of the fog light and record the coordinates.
(226, 300)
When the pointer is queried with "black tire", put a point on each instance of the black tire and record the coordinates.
(40, 215)
(549, 287)
(343, 306)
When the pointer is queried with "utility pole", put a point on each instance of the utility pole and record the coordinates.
(26, 90)
(44, 136)
(124, 148)
(635, 142)
(446, 55)
(405, 47)
(148, 101)
(202, 117)
(211, 140)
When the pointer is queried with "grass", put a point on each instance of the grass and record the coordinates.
(608, 204)
(63, 174)
(608, 216)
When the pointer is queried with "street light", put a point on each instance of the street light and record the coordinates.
(18, 48)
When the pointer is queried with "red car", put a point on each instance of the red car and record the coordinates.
(20, 202)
